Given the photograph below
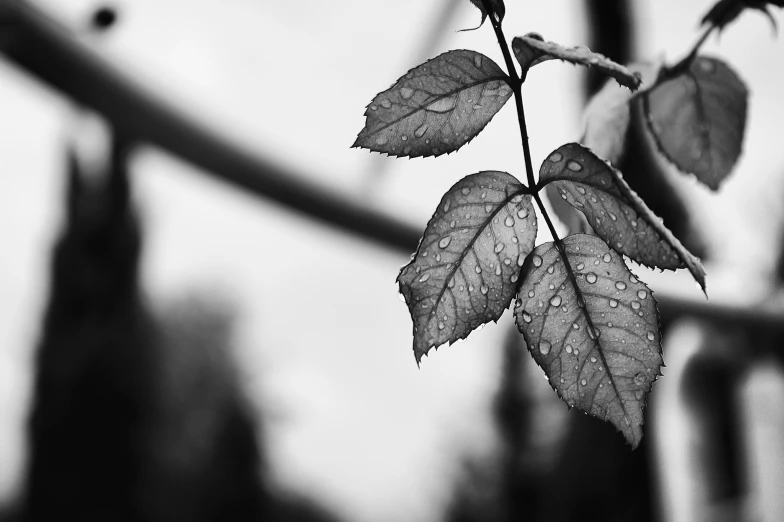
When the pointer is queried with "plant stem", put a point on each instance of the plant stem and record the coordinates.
(686, 61)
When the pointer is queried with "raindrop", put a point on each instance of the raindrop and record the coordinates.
(522, 213)
(373, 107)
(489, 208)
(635, 305)
(527, 317)
(593, 333)
(651, 336)
(438, 258)
(478, 269)
(550, 269)
(556, 300)
(386, 104)
(613, 217)
(642, 294)
(484, 289)
(568, 348)
(513, 278)
(531, 293)
(591, 277)
(498, 269)
(442, 105)
(466, 191)
(484, 194)
(509, 221)
(518, 302)
(445, 241)
(537, 261)
(574, 166)
(583, 382)
(575, 326)
(544, 347)
(507, 261)
(520, 259)
(406, 93)
(381, 140)
(407, 150)
(593, 359)
(499, 247)
(441, 326)
(639, 379)
(478, 61)
(555, 157)
(404, 137)
(633, 279)
(607, 258)
(470, 289)
(424, 277)
(580, 266)
(613, 303)
(447, 205)
(620, 285)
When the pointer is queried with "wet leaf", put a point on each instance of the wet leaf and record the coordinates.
(497, 7)
(435, 108)
(607, 115)
(726, 11)
(698, 118)
(615, 211)
(466, 269)
(531, 50)
(595, 332)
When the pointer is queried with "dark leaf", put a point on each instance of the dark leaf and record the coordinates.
(615, 211)
(531, 50)
(466, 268)
(607, 115)
(698, 118)
(437, 107)
(593, 328)
(497, 7)
(726, 11)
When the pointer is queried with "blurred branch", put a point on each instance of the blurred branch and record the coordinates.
(51, 53)
(45, 49)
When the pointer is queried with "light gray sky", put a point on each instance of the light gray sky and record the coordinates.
(323, 339)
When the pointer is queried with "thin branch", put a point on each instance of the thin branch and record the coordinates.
(49, 52)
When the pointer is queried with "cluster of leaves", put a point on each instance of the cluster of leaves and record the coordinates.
(587, 320)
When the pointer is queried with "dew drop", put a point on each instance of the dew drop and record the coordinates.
(580, 266)
(424, 277)
(478, 61)
(550, 269)
(498, 248)
(466, 191)
(478, 269)
(441, 326)
(593, 359)
(556, 300)
(537, 261)
(520, 259)
(498, 270)
(613, 303)
(574, 166)
(489, 208)
(613, 217)
(555, 157)
(404, 137)
(438, 258)
(531, 293)
(620, 285)
(509, 221)
(642, 294)
(421, 132)
(386, 104)
(374, 107)
(513, 278)
(508, 262)
(593, 333)
(442, 105)
(445, 241)
(607, 258)
(527, 317)
(406, 93)
(575, 326)
(484, 289)
(635, 305)
(633, 279)
(470, 289)
(522, 213)
(544, 347)
(583, 382)
(568, 348)
(591, 277)
(651, 336)
(447, 205)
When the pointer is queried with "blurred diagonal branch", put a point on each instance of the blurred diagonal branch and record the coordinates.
(51, 53)
(47, 50)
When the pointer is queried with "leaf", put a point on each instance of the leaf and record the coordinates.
(726, 11)
(466, 268)
(698, 118)
(593, 328)
(496, 6)
(615, 211)
(531, 50)
(607, 115)
(437, 107)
